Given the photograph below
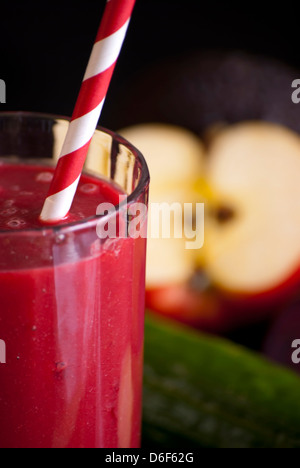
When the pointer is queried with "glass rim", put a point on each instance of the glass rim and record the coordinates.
(141, 187)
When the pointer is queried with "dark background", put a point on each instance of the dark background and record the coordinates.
(45, 45)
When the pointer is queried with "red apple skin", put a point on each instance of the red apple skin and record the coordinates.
(217, 311)
(187, 306)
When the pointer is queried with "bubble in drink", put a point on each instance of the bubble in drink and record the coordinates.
(26, 194)
(44, 177)
(8, 203)
(88, 188)
(60, 238)
(8, 212)
(16, 223)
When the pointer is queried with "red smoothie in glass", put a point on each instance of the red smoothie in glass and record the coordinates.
(71, 316)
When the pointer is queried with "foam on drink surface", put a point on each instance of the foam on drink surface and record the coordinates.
(23, 189)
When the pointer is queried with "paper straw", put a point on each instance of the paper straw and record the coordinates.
(87, 110)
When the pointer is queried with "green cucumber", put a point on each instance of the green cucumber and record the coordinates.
(205, 392)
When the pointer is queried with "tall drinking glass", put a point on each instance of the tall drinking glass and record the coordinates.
(71, 298)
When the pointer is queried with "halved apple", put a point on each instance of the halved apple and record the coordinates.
(254, 170)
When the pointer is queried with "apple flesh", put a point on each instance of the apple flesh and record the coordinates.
(252, 229)
(254, 169)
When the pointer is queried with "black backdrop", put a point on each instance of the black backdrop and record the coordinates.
(45, 45)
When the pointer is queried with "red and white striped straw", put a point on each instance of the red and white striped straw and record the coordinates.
(88, 108)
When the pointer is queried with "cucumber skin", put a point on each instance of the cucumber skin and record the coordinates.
(205, 392)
